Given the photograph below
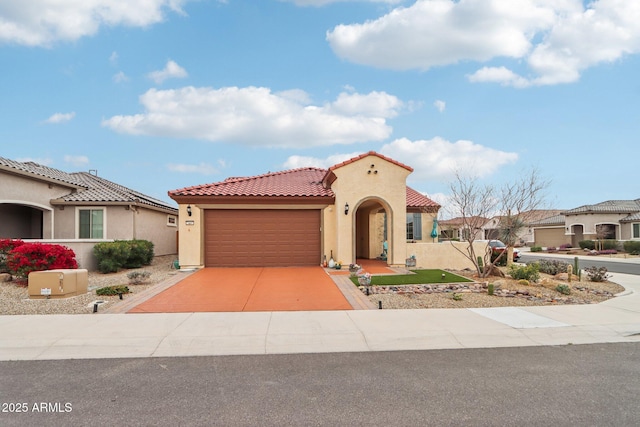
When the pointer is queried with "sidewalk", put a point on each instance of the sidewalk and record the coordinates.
(199, 334)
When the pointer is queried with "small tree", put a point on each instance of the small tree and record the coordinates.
(515, 200)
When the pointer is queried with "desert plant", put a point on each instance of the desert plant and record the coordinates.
(529, 272)
(29, 257)
(113, 290)
(490, 289)
(138, 277)
(597, 274)
(565, 246)
(632, 247)
(536, 248)
(587, 244)
(524, 282)
(551, 266)
(563, 289)
(140, 253)
(457, 297)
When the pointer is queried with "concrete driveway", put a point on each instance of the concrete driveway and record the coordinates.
(249, 289)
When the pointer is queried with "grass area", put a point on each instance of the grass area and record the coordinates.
(421, 277)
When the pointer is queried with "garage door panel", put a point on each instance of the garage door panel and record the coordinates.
(277, 237)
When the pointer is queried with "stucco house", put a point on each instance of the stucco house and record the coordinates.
(79, 209)
(298, 217)
(611, 219)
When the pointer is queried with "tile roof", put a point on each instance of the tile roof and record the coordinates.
(552, 220)
(31, 168)
(416, 199)
(89, 188)
(370, 153)
(631, 218)
(610, 206)
(302, 182)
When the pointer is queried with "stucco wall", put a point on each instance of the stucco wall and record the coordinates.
(370, 178)
(152, 225)
(443, 255)
(589, 222)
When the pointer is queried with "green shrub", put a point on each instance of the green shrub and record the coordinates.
(529, 272)
(632, 247)
(536, 249)
(609, 244)
(112, 256)
(563, 289)
(552, 266)
(587, 244)
(113, 290)
(141, 253)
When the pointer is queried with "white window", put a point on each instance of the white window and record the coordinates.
(91, 223)
(414, 226)
(635, 230)
(172, 221)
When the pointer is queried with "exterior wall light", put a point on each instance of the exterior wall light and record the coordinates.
(346, 208)
(189, 210)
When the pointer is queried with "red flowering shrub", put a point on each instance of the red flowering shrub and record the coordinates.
(6, 246)
(29, 257)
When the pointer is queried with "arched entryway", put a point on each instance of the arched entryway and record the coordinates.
(577, 234)
(372, 229)
(22, 221)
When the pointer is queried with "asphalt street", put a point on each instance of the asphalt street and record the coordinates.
(595, 384)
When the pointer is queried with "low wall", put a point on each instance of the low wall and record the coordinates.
(444, 255)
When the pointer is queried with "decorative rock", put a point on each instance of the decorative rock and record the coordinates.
(5, 277)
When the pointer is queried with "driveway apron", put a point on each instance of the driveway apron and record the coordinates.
(249, 289)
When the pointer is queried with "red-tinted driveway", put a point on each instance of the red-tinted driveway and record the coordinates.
(249, 289)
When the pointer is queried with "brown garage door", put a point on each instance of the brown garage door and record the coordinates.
(262, 238)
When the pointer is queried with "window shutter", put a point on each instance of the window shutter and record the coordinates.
(417, 226)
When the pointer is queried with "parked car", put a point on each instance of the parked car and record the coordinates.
(497, 247)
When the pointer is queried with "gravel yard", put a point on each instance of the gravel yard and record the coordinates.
(14, 298)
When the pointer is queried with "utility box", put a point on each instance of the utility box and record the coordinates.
(61, 283)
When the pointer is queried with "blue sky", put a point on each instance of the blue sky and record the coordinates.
(161, 94)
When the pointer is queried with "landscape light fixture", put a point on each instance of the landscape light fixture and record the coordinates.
(346, 208)
(189, 210)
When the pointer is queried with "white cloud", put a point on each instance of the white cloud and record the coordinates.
(201, 168)
(318, 3)
(76, 160)
(440, 105)
(60, 118)
(555, 39)
(120, 77)
(44, 22)
(294, 162)
(113, 58)
(439, 159)
(255, 116)
(171, 70)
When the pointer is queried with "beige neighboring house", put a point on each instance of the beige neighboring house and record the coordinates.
(458, 228)
(79, 209)
(612, 219)
(300, 217)
(525, 236)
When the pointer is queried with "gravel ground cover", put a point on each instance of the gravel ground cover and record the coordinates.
(508, 293)
(14, 298)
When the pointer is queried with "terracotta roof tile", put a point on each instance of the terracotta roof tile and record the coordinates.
(416, 199)
(370, 153)
(303, 182)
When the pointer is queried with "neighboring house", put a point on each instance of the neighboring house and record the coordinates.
(79, 209)
(492, 229)
(458, 228)
(612, 219)
(300, 216)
